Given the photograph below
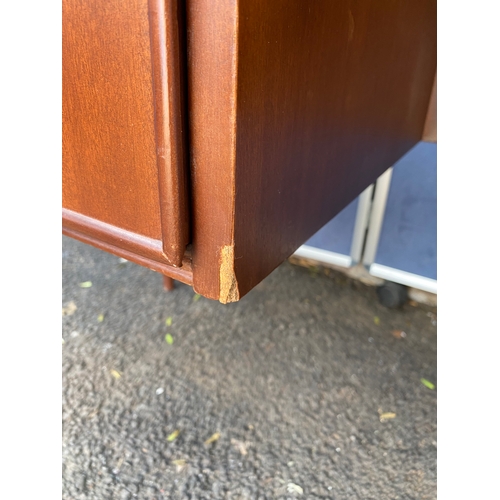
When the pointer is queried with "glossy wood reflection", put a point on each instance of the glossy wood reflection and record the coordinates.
(295, 108)
(123, 148)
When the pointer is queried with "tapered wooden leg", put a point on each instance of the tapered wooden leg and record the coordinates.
(168, 284)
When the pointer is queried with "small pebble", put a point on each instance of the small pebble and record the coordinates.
(159, 391)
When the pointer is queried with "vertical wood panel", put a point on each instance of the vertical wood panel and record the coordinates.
(330, 94)
(113, 170)
(212, 52)
(170, 124)
(296, 107)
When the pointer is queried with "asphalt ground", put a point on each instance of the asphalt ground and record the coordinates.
(303, 389)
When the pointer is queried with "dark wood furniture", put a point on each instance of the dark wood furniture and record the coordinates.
(209, 139)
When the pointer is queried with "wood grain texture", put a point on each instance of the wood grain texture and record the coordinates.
(131, 246)
(430, 128)
(166, 25)
(212, 58)
(116, 169)
(295, 108)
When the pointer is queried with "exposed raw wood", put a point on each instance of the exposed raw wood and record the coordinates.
(209, 139)
(430, 128)
(295, 108)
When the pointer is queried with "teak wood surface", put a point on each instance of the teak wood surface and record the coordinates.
(124, 158)
(238, 126)
(295, 107)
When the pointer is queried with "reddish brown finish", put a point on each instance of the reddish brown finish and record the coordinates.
(430, 128)
(115, 169)
(168, 73)
(142, 250)
(212, 49)
(168, 284)
(295, 107)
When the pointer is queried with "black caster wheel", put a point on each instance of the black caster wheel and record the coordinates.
(392, 294)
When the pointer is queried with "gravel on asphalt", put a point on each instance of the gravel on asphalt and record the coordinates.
(303, 389)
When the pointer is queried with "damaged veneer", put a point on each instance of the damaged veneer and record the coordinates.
(237, 127)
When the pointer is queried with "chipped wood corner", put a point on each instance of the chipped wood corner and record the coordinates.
(228, 286)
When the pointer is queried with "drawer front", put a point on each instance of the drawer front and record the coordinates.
(124, 167)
